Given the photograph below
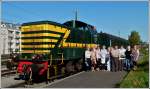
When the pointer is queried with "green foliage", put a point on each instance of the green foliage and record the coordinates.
(140, 77)
(136, 79)
(134, 38)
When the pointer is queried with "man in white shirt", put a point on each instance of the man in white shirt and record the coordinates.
(122, 52)
(88, 59)
(103, 54)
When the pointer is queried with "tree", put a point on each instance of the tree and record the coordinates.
(134, 38)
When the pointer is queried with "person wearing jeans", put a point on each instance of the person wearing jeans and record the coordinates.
(128, 58)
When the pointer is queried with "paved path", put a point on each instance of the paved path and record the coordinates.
(9, 81)
(96, 79)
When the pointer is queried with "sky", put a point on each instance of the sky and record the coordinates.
(116, 18)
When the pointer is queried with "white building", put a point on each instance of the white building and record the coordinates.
(9, 38)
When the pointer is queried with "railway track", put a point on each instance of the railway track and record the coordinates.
(41, 84)
(7, 72)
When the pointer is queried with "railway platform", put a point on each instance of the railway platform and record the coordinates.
(97, 79)
(9, 82)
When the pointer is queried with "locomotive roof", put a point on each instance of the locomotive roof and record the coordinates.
(78, 23)
(112, 36)
(43, 22)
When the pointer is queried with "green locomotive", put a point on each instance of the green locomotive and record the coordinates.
(53, 50)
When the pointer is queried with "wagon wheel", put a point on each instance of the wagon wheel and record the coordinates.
(70, 67)
(15, 65)
(78, 65)
(29, 75)
(63, 71)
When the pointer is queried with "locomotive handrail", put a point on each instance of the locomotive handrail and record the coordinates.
(51, 57)
(48, 74)
(62, 58)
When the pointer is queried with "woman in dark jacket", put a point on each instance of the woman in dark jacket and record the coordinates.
(128, 58)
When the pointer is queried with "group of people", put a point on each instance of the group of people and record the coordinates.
(111, 59)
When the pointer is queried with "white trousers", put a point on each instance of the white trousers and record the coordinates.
(108, 65)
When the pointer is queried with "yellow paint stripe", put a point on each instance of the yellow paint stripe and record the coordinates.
(66, 34)
(43, 27)
(41, 51)
(37, 46)
(65, 37)
(36, 51)
(56, 28)
(40, 34)
(78, 45)
(39, 40)
(32, 27)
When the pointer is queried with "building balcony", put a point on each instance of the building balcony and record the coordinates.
(10, 42)
(17, 37)
(17, 44)
(17, 32)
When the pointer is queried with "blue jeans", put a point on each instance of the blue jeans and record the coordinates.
(128, 64)
(88, 64)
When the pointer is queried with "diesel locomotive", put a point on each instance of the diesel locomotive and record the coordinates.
(52, 50)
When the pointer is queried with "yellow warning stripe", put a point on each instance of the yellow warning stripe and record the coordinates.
(35, 51)
(65, 37)
(38, 46)
(78, 45)
(47, 27)
(40, 34)
(39, 40)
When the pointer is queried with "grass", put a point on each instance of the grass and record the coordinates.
(138, 78)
